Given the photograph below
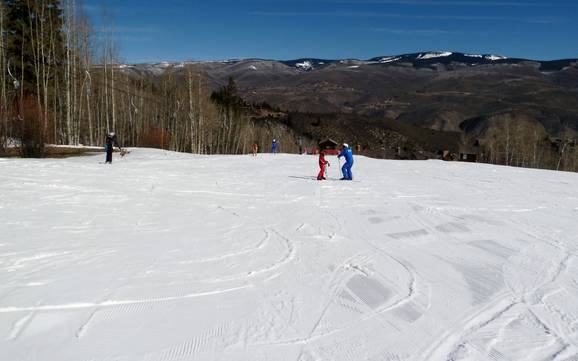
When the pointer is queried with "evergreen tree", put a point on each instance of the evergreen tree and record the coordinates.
(26, 21)
(227, 97)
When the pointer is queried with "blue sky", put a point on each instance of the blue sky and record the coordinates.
(176, 30)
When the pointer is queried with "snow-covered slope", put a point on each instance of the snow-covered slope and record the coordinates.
(165, 256)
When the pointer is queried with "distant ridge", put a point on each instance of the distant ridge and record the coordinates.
(422, 59)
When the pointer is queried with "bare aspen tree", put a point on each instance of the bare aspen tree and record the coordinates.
(77, 105)
(105, 63)
(131, 106)
(112, 97)
(200, 117)
(508, 141)
(33, 24)
(574, 156)
(45, 53)
(105, 76)
(68, 80)
(84, 69)
(191, 110)
(51, 72)
(3, 94)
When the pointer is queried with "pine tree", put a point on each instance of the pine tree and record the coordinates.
(25, 22)
(34, 56)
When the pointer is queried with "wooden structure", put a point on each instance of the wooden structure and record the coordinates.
(468, 157)
(470, 153)
(329, 146)
(446, 155)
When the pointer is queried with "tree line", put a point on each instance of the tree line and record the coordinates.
(523, 143)
(63, 84)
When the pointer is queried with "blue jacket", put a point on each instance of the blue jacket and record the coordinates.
(348, 154)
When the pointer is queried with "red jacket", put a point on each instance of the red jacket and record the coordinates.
(322, 161)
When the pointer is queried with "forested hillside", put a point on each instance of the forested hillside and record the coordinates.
(62, 84)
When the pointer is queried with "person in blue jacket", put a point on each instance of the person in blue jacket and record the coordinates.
(274, 146)
(348, 155)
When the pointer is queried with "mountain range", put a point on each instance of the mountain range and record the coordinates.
(441, 91)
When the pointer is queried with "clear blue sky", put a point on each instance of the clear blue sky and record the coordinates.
(176, 30)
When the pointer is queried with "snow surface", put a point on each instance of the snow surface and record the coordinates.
(434, 55)
(166, 256)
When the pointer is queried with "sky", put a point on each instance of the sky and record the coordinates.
(180, 30)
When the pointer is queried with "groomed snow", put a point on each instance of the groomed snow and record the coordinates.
(166, 256)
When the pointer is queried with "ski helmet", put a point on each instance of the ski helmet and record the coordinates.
(345, 145)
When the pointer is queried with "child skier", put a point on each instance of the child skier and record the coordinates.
(274, 146)
(323, 164)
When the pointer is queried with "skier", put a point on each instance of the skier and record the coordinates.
(255, 149)
(323, 164)
(274, 146)
(111, 142)
(348, 155)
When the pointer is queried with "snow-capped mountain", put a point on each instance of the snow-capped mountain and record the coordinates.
(415, 88)
(431, 59)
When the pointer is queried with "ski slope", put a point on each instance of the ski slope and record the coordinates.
(166, 257)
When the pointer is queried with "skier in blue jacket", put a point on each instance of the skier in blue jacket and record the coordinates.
(347, 153)
(274, 146)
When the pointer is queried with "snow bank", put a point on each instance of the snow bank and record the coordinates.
(167, 256)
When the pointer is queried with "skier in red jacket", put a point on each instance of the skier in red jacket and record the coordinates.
(323, 164)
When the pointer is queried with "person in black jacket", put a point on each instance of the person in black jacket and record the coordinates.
(111, 142)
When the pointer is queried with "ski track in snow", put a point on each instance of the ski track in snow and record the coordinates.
(166, 256)
(114, 303)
